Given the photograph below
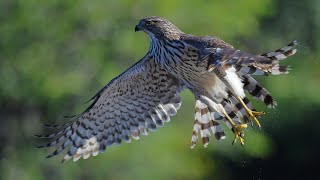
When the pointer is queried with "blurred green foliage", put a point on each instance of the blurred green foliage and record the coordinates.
(54, 55)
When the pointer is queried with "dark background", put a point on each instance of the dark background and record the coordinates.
(55, 54)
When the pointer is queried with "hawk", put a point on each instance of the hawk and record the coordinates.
(146, 95)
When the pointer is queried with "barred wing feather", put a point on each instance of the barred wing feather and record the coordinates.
(140, 99)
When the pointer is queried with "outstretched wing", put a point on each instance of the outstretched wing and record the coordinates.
(140, 99)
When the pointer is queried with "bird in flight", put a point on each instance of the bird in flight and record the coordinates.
(146, 95)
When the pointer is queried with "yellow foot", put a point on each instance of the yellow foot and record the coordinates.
(253, 116)
(236, 128)
(238, 133)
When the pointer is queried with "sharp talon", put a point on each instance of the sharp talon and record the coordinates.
(242, 143)
(252, 114)
(237, 129)
(238, 133)
(235, 140)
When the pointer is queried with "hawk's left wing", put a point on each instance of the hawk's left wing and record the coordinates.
(141, 98)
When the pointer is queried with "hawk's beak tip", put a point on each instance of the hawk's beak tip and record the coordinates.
(137, 28)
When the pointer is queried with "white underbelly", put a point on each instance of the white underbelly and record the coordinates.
(234, 82)
(214, 86)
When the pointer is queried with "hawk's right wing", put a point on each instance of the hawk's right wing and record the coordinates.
(249, 63)
(219, 53)
(141, 98)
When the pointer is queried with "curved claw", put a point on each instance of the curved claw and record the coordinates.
(238, 133)
(241, 139)
(253, 115)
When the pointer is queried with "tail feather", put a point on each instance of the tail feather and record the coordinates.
(257, 91)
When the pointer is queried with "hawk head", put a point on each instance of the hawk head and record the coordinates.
(158, 27)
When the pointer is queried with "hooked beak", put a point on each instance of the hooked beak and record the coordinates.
(137, 28)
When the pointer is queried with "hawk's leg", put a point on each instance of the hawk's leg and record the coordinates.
(236, 128)
(251, 114)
